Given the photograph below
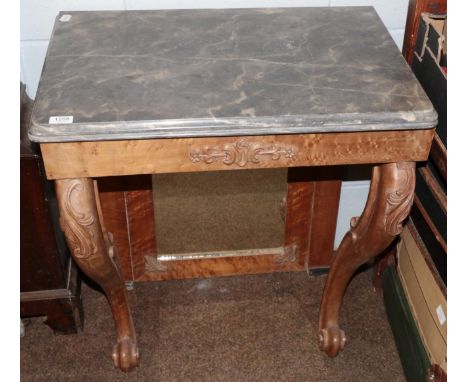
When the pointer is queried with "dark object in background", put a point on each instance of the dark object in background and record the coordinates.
(50, 284)
(413, 356)
(430, 209)
(430, 66)
(415, 8)
(426, 51)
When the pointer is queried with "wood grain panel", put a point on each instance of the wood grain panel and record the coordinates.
(182, 269)
(312, 211)
(141, 225)
(325, 207)
(297, 233)
(114, 212)
(92, 159)
(298, 212)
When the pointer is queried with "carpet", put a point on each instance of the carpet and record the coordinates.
(242, 328)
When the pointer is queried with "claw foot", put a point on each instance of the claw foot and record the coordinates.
(125, 354)
(332, 340)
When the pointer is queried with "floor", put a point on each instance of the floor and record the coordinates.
(247, 328)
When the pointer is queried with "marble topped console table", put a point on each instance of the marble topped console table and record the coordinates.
(143, 92)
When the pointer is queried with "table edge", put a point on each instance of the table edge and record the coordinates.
(235, 126)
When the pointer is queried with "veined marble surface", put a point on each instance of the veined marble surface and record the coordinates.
(193, 73)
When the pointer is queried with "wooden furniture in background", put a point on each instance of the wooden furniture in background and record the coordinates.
(245, 89)
(50, 284)
(415, 8)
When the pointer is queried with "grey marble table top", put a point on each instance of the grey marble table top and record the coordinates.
(113, 75)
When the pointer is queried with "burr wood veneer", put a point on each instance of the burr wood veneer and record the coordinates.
(204, 90)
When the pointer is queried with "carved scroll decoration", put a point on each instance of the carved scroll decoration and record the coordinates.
(241, 153)
(400, 201)
(76, 225)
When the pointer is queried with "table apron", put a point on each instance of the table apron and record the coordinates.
(171, 155)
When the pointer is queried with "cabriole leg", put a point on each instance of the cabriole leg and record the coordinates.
(79, 220)
(388, 204)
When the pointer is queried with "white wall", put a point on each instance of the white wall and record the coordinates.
(37, 17)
